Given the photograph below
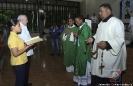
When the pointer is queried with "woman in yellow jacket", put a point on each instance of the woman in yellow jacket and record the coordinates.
(17, 49)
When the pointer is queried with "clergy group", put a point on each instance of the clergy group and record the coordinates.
(95, 58)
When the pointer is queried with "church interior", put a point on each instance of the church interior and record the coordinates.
(47, 70)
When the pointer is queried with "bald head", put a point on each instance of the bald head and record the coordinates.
(23, 19)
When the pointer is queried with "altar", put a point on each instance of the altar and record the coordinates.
(126, 24)
(125, 21)
(128, 28)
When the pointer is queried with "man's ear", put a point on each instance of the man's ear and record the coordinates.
(108, 11)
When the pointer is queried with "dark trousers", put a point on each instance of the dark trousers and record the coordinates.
(20, 71)
(94, 27)
(27, 70)
(96, 81)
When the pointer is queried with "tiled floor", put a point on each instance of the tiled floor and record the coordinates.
(50, 71)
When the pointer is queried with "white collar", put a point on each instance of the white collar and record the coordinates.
(81, 25)
(71, 26)
(22, 24)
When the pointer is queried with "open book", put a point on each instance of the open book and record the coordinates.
(33, 40)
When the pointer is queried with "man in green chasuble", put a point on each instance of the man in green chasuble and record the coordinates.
(83, 57)
(68, 42)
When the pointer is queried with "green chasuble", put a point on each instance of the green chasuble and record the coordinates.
(82, 50)
(69, 46)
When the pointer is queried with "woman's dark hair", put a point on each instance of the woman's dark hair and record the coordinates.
(7, 29)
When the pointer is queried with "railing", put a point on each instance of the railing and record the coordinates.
(2, 51)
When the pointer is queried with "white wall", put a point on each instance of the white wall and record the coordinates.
(92, 6)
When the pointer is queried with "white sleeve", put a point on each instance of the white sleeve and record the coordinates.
(118, 41)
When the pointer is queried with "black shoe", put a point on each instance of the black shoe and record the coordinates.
(58, 54)
(29, 84)
(52, 54)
